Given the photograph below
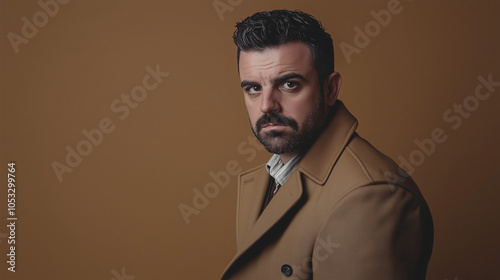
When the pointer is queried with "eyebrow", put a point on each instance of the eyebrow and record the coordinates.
(288, 77)
(248, 83)
(281, 79)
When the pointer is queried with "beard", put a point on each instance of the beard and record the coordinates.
(286, 141)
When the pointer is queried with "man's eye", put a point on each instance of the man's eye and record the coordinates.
(290, 85)
(253, 89)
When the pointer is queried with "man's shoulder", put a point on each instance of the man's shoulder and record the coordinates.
(366, 165)
(363, 173)
(373, 163)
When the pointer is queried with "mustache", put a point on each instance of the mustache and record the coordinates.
(276, 118)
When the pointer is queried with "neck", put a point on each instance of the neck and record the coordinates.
(286, 157)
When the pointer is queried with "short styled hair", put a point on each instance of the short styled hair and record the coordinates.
(273, 28)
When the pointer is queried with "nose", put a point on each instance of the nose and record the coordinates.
(269, 102)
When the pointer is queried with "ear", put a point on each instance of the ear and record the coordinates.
(332, 88)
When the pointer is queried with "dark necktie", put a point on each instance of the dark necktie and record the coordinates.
(270, 193)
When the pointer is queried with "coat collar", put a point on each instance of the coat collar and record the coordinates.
(319, 160)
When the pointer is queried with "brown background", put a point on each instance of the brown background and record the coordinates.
(119, 208)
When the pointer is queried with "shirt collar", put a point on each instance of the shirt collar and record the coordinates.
(280, 171)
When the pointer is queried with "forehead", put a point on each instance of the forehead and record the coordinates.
(271, 62)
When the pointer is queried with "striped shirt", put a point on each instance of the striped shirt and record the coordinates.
(279, 171)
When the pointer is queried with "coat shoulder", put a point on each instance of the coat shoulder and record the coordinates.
(377, 168)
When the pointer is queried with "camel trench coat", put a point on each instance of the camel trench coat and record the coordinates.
(347, 212)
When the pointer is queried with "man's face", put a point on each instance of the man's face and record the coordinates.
(283, 96)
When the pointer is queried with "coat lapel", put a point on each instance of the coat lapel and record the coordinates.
(284, 199)
(250, 226)
(251, 193)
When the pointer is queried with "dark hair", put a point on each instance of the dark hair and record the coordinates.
(267, 29)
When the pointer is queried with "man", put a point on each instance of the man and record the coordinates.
(327, 205)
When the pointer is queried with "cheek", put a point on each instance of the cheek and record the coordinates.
(299, 111)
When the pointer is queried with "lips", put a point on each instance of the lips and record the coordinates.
(273, 125)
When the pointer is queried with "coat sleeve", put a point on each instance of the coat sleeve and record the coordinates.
(375, 232)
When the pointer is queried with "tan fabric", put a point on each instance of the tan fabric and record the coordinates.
(345, 213)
